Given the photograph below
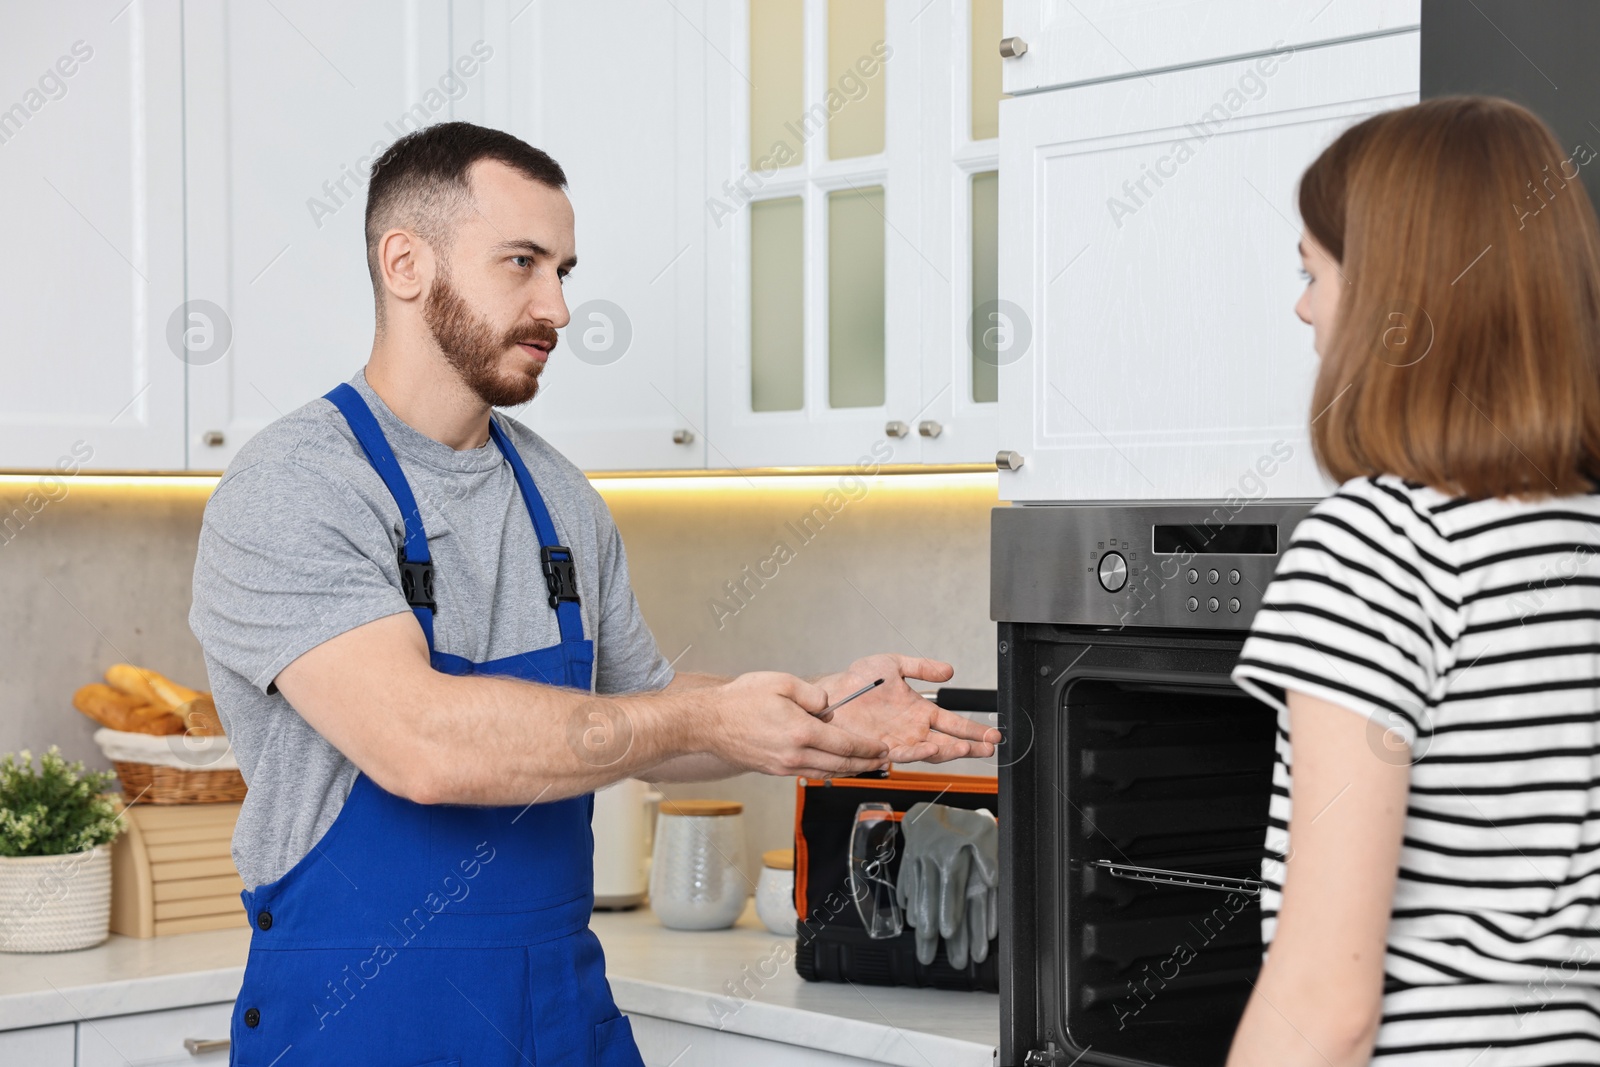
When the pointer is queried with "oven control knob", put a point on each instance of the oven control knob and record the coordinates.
(1113, 571)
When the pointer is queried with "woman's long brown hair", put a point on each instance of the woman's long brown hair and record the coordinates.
(1466, 351)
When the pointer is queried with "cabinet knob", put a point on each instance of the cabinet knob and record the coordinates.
(1012, 47)
(683, 437)
(929, 428)
(212, 438)
(896, 429)
(1006, 460)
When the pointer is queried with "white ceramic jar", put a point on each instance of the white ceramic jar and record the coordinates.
(697, 879)
(775, 891)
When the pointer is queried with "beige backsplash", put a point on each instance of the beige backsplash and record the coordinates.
(898, 563)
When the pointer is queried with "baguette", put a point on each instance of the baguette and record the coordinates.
(154, 719)
(201, 718)
(152, 687)
(135, 682)
(109, 707)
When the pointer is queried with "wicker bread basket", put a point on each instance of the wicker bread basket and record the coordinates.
(150, 783)
(157, 769)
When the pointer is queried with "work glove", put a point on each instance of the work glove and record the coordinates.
(949, 879)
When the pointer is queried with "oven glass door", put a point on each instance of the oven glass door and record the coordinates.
(1163, 790)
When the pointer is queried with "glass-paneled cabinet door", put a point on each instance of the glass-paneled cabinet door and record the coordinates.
(965, 332)
(815, 241)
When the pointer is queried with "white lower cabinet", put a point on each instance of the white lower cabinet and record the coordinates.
(667, 1043)
(40, 1046)
(149, 1039)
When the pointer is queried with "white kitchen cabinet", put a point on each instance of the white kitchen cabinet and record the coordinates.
(1151, 248)
(277, 170)
(91, 157)
(615, 91)
(39, 1046)
(286, 104)
(926, 411)
(1091, 40)
(669, 1043)
(156, 1038)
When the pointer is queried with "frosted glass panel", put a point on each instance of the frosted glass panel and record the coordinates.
(988, 337)
(855, 298)
(777, 305)
(856, 78)
(777, 72)
(985, 43)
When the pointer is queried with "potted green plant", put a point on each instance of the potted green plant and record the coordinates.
(56, 828)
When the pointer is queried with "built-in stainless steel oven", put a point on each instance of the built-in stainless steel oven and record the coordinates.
(1134, 778)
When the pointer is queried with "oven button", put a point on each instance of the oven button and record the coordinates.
(1194, 576)
(1194, 605)
(1233, 577)
(1212, 576)
(1113, 571)
(1233, 604)
(1212, 605)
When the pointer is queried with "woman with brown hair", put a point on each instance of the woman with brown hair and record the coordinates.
(1432, 866)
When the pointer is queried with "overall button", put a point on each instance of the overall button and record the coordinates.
(1212, 605)
(1194, 605)
(1233, 604)
(1113, 572)
(1233, 577)
(264, 920)
(252, 1018)
(1194, 576)
(1212, 576)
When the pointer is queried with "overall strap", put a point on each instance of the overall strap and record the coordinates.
(416, 566)
(560, 574)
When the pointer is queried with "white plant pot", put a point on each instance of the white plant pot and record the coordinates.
(55, 903)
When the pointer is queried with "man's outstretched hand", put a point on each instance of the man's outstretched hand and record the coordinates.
(914, 727)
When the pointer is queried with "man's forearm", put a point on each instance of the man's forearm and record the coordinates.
(498, 741)
(693, 766)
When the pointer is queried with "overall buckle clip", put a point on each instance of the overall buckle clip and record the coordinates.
(560, 573)
(416, 582)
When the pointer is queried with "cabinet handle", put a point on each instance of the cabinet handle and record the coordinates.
(199, 1046)
(1012, 47)
(212, 438)
(896, 429)
(929, 428)
(1007, 460)
(683, 437)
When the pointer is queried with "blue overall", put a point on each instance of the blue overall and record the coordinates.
(439, 935)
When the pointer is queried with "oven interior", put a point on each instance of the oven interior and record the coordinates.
(1163, 790)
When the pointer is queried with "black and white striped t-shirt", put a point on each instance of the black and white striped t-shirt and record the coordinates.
(1471, 631)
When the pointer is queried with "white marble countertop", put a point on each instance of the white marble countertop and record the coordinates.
(120, 976)
(740, 980)
(743, 981)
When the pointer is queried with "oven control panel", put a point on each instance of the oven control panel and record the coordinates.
(1176, 565)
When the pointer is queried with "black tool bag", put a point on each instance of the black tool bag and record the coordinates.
(831, 943)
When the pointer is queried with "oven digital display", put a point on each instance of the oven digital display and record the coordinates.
(1244, 539)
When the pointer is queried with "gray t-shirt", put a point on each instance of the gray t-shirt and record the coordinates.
(299, 545)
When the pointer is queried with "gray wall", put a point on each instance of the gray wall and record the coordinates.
(103, 575)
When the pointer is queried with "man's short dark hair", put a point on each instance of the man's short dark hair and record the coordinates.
(420, 183)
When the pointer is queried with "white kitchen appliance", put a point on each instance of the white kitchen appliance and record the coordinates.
(623, 822)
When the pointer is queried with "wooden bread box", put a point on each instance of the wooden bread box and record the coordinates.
(172, 870)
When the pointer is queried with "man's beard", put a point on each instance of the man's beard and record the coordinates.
(475, 349)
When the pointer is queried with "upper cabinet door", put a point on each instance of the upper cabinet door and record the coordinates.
(812, 201)
(615, 91)
(91, 157)
(290, 102)
(1091, 40)
(1148, 232)
(287, 104)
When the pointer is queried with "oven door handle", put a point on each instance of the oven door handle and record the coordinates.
(1186, 879)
